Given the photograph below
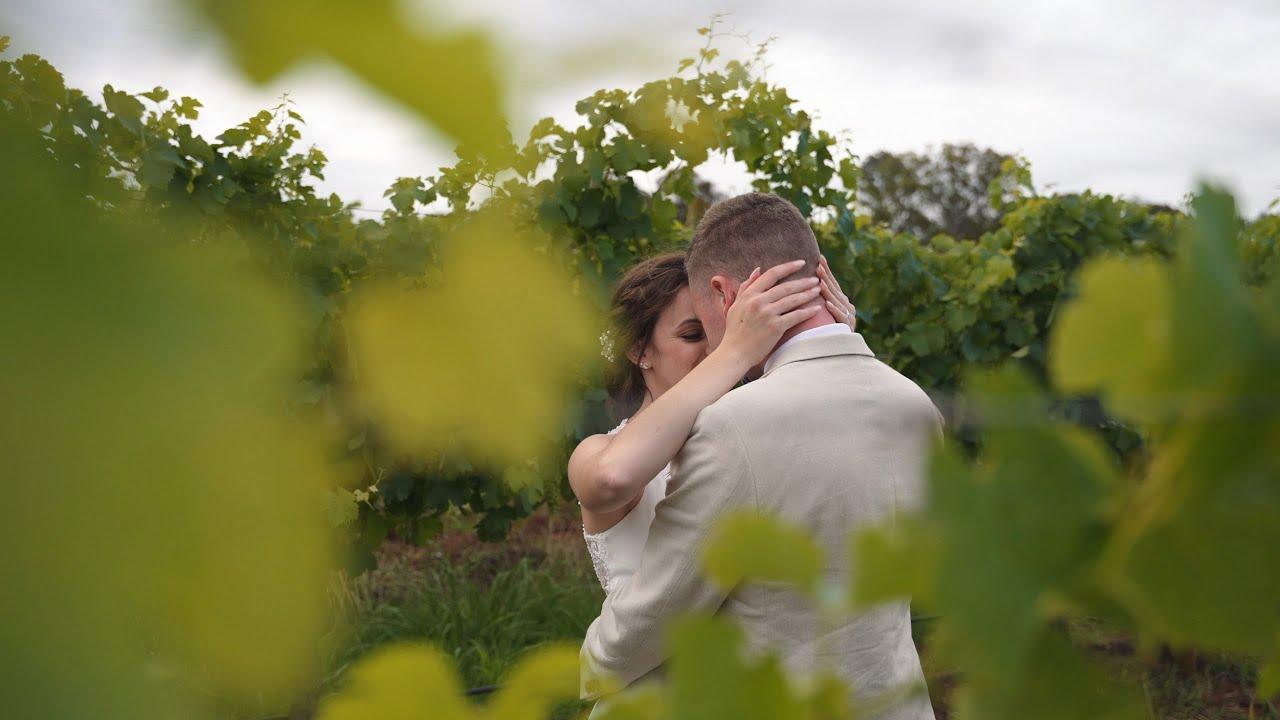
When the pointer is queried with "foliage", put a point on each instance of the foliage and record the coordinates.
(942, 192)
(148, 458)
(407, 682)
(592, 199)
(1046, 518)
(372, 40)
(483, 607)
(188, 317)
(179, 369)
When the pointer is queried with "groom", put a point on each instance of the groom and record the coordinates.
(828, 439)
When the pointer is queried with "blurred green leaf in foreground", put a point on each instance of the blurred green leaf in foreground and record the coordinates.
(163, 528)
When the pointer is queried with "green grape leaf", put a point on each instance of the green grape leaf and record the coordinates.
(427, 392)
(748, 546)
(340, 507)
(157, 95)
(541, 679)
(373, 41)
(1115, 337)
(1213, 473)
(145, 376)
(126, 108)
(1056, 683)
(399, 682)
(1208, 481)
(1215, 328)
(1026, 519)
(711, 678)
(896, 561)
(1269, 675)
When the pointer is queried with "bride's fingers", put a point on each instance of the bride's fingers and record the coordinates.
(790, 287)
(834, 284)
(755, 275)
(824, 270)
(830, 294)
(843, 314)
(797, 316)
(792, 301)
(769, 278)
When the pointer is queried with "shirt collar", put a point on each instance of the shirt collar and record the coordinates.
(820, 331)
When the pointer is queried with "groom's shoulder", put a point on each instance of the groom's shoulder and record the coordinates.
(730, 407)
(832, 381)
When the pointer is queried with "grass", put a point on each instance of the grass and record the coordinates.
(488, 604)
(1191, 685)
(484, 604)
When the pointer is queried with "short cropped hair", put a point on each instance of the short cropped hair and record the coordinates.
(737, 235)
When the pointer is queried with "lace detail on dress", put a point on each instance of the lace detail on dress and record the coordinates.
(595, 546)
(595, 543)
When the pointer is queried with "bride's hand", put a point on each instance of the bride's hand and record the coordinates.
(764, 310)
(838, 303)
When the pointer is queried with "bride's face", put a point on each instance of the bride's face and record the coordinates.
(678, 345)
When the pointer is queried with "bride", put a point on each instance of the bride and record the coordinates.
(662, 377)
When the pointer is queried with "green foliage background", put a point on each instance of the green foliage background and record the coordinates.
(1171, 327)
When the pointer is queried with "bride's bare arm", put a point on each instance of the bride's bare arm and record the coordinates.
(608, 473)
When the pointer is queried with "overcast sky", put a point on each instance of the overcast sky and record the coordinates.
(1132, 97)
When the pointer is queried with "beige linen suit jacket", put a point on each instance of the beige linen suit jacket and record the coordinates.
(829, 439)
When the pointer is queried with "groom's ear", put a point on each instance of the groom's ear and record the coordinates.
(726, 290)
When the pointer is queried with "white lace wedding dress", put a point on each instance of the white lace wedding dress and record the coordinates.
(615, 553)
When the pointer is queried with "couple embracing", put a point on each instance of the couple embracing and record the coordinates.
(824, 437)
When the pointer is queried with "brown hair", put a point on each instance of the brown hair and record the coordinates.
(737, 235)
(638, 299)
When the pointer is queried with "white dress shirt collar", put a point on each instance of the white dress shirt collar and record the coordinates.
(835, 328)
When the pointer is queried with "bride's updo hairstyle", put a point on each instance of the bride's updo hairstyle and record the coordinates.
(638, 299)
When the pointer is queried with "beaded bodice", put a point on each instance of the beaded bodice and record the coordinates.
(615, 553)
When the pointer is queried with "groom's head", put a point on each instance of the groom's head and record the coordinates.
(737, 236)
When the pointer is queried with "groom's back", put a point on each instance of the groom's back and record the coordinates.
(835, 441)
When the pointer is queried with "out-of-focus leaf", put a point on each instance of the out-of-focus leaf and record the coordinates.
(1208, 482)
(712, 678)
(894, 562)
(487, 358)
(1269, 676)
(544, 677)
(1057, 683)
(450, 80)
(399, 682)
(145, 381)
(746, 547)
(1025, 519)
(1214, 327)
(1114, 339)
(1214, 474)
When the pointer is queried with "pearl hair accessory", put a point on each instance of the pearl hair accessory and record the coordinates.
(606, 345)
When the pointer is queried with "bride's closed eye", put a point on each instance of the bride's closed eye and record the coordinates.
(690, 331)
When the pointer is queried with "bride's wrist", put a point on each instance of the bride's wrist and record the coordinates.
(734, 359)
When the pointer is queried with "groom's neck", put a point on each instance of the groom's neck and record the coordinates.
(822, 318)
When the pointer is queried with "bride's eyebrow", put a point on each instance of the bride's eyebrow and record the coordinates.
(689, 324)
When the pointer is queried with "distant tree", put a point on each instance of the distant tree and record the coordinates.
(933, 192)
